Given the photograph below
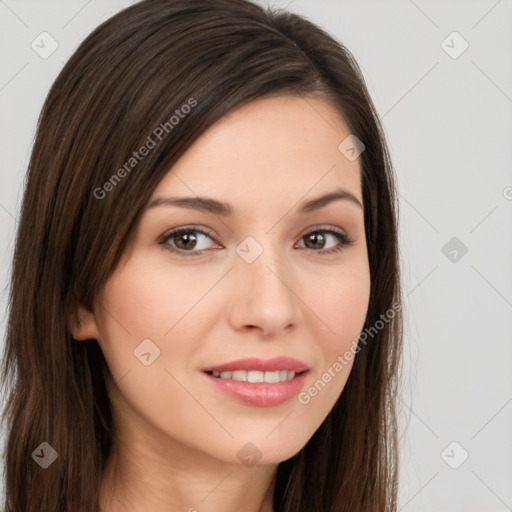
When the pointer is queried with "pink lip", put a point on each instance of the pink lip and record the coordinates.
(261, 365)
(260, 394)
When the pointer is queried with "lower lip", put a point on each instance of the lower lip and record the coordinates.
(260, 394)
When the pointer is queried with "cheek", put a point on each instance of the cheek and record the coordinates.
(351, 308)
(146, 299)
(133, 308)
(342, 308)
(144, 312)
(143, 301)
(341, 303)
(156, 297)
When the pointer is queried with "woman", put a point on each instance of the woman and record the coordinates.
(205, 300)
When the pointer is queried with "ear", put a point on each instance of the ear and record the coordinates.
(83, 326)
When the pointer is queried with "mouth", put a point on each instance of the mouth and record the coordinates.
(258, 382)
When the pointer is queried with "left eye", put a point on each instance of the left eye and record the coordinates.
(182, 240)
(320, 236)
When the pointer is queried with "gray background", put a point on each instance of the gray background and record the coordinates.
(449, 126)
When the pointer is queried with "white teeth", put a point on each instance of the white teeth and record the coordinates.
(255, 376)
(272, 377)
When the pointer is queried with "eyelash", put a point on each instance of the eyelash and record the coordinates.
(344, 240)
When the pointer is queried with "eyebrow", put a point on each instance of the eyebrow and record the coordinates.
(210, 205)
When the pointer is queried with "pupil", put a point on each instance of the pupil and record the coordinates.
(315, 237)
(188, 237)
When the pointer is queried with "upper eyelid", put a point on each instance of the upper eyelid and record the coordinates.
(172, 232)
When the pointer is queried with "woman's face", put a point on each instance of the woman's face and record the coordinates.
(264, 282)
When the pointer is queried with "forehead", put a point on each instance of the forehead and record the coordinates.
(271, 150)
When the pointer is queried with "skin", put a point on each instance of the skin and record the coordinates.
(178, 435)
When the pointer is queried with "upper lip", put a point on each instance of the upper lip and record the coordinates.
(262, 365)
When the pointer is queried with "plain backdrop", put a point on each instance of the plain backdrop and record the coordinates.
(440, 75)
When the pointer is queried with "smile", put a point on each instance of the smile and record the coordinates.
(259, 382)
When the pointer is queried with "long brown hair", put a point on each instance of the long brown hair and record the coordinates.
(127, 78)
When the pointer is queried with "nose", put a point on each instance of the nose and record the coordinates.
(263, 297)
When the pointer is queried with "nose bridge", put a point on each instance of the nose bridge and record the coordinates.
(262, 257)
(264, 297)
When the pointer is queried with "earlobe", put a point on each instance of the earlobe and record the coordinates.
(84, 325)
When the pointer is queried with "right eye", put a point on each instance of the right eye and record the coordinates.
(184, 239)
